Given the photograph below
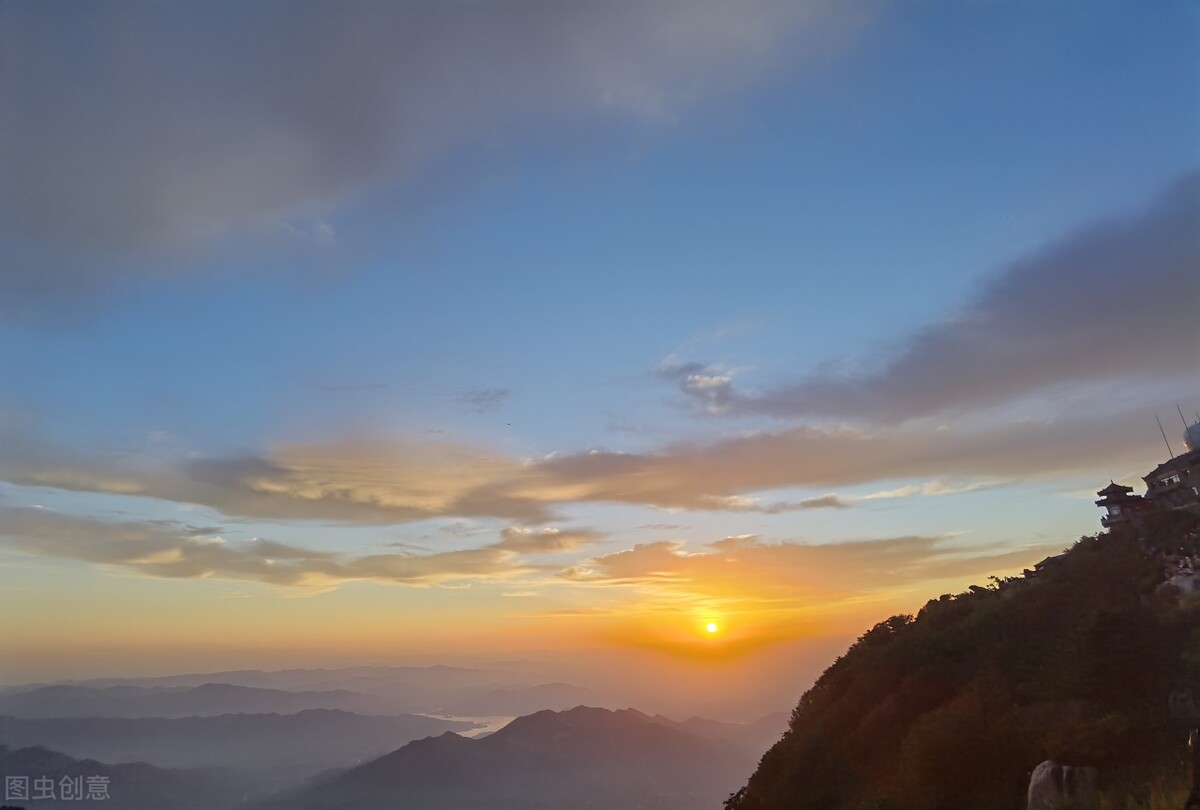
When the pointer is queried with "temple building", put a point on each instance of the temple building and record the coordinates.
(1120, 505)
(1174, 484)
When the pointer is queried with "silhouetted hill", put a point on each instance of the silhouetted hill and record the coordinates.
(306, 741)
(208, 699)
(582, 758)
(954, 707)
(131, 786)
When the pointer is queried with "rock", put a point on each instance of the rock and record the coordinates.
(1053, 786)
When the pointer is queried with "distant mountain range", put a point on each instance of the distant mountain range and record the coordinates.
(133, 786)
(228, 738)
(584, 758)
(514, 701)
(200, 701)
(304, 742)
(356, 679)
(383, 691)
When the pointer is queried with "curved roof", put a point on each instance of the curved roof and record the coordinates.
(1114, 488)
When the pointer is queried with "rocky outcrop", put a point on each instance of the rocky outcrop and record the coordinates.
(1053, 786)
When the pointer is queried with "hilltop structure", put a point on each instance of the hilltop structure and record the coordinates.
(1120, 505)
(1174, 484)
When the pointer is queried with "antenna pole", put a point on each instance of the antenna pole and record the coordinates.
(1164, 435)
(1181, 419)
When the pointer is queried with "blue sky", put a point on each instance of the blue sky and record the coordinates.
(339, 277)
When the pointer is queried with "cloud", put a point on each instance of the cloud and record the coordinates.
(159, 125)
(830, 501)
(544, 541)
(158, 549)
(742, 503)
(744, 570)
(697, 476)
(482, 400)
(1111, 302)
(380, 481)
(933, 488)
(708, 386)
(352, 481)
(318, 233)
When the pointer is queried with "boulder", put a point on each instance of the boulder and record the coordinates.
(1053, 786)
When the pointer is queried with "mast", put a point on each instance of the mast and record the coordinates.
(1170, 453)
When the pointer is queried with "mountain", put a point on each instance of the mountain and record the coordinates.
(383, 690)
(295, 679)
(304, 742)
(132, 786)
(207, 699)
(521, 700)
(1093, 658)
(581, 759)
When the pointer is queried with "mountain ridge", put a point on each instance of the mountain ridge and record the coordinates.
(1080, 660)
(203, 700)
(313, 739)
(585, 757)
(130, 785)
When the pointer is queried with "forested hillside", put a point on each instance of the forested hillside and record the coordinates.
(1079, 662)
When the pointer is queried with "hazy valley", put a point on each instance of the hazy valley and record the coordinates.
(322, 738)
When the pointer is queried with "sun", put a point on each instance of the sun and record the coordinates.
(711, 627)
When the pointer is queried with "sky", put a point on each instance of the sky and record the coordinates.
(381, 333)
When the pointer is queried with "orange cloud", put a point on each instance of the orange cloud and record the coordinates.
(164, 549)
(762, 594)
(744, 573)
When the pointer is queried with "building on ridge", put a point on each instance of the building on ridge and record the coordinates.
(1174, 484)
(1120, 504)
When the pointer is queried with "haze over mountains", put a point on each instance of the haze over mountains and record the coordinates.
(298, 736)
(509, 701)
(364, 690)
(130, 786)
(755, 736)
(205, 700)
(581, 758)
(735, 693)
(303, 742)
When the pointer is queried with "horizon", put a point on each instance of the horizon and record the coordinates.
(678, 343)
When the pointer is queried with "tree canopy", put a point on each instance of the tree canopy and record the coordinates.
(955, 706)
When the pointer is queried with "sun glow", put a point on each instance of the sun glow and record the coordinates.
(711, 627)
